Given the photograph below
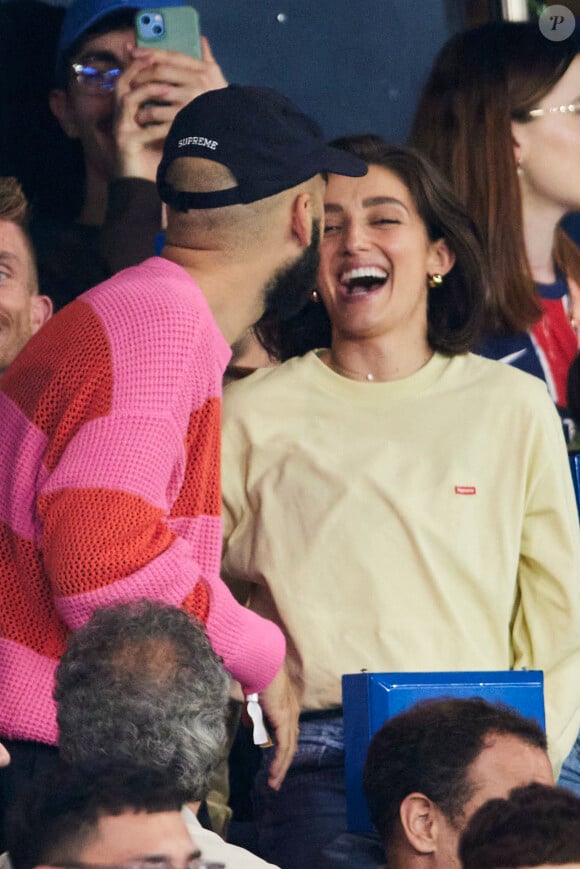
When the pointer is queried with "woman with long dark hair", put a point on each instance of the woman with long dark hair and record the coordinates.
(500, 117)
(393, 501)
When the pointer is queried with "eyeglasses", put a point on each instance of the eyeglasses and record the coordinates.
(96, 79)
(571, 108)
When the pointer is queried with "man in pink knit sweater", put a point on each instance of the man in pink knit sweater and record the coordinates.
(110, 447)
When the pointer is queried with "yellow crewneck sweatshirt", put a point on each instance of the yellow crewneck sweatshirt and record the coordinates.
(427, 523)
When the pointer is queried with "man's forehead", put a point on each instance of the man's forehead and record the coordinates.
(13, 241)
(110, 42)
(507, 761)
(139, 837)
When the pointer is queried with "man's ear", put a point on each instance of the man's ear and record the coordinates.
(441, 258)
(60, 107)
(302, 218)
(40, 311)
(417, 814)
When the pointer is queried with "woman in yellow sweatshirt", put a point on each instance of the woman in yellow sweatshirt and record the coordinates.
(393, 501)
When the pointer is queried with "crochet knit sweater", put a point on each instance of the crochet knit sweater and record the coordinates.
(110, 484)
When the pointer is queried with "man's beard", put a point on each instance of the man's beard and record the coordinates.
(289, 289)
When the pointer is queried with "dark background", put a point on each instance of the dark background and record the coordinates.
(357, 66)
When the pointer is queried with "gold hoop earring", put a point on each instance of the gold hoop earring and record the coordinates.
(314, 296)
(435, 281)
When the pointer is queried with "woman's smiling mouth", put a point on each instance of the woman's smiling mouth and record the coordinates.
(362, 281)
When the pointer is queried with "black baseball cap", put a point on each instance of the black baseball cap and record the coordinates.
(267, 143)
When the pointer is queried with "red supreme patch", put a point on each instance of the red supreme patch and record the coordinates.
(465, 490)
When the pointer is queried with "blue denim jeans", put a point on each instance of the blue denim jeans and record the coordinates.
(570, 774)
(303, 825)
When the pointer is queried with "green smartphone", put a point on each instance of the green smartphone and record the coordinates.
(173, 28)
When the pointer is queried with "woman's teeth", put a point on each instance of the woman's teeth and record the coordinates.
(363, 280)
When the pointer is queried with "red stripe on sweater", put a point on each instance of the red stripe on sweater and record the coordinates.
(73, 385)
(200, 494)
(27, 613)
(93, 537)
(197, 603)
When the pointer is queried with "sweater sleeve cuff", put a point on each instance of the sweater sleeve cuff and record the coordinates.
(252, 648)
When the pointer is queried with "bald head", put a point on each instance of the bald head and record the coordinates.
(250, 258)
(231, 229)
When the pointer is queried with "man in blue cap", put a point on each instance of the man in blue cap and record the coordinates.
(118, 101)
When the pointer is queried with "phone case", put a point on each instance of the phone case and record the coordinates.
(173, 28)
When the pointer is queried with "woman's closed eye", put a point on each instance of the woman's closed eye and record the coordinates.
(384, 221)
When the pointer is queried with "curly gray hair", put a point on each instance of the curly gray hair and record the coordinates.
(139, 685)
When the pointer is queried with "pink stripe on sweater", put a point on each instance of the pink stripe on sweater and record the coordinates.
(247, 643)
(27, 710)
(205, 535)
(142, 455)
(164, 338)
(169, 578)
(22, 447)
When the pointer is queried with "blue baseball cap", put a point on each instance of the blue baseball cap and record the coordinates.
(81, 15)
(265, 140)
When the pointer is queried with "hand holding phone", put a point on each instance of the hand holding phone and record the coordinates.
(172, 28)
(176, 29)
(158, 82)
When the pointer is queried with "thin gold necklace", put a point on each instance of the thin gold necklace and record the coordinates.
(353, 375)
(369, 377)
